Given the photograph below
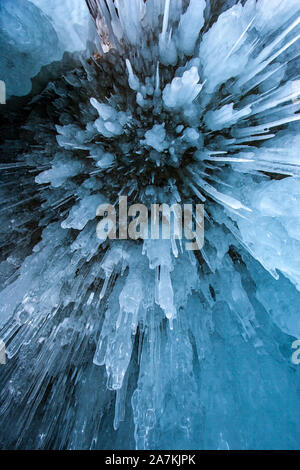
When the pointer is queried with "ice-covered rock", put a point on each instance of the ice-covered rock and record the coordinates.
(24, 50)
(59, 27)
(70, 19)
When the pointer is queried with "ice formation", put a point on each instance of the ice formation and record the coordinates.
(35, 33)
(141, 344)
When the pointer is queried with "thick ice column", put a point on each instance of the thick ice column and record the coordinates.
(190, 26)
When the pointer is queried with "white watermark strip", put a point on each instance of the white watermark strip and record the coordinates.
(163, 222)
(2, 92)
(296, 355)
(2, 353)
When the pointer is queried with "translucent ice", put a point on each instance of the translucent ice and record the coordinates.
(24, 50)
(190, 25)
(182, 90)
(70, 19)
(63, 26)
(121, 343)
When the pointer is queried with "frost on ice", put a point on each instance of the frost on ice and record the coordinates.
(123, 344)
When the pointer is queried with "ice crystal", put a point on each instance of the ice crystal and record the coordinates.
(124, 344)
